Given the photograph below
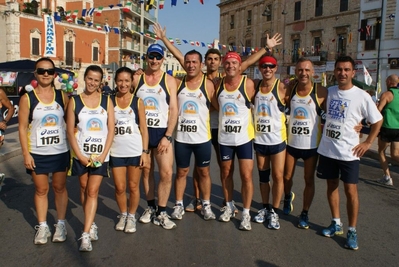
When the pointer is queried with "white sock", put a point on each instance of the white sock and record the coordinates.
(131, 215)
(124, 213)
(245, 211)
(179, 203)
(337, 220)
(206, 202)
(61, 222)
(230, 205)
(352, 228)
(43, 223)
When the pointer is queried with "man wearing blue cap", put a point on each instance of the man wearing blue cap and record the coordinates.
(158, 91)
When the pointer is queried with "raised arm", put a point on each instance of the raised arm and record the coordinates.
(161, 33)
(270, 43)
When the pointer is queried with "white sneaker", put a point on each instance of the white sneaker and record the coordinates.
(164, 220)
(245, 222)
(147, 215)
(85, 245)
(122, 222)
(206, 211)
(386, 180)
(178, 212)
(227, 213)
(2, 177)
(130, 224)
(262, 215)
(273, 221)
(93, 232)
(42, 234)
(60, 232)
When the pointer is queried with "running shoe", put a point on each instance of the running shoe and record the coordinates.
(2, 177)
(122, 222)
(227, 213)
(195, 204)
(234, 206)
(386, 180)
(164, 220)
(85, 245)
(42, 234)
(262, 215)
(130, 224)
(178, 212)
(148, 215)
(351, 240)
(303, 221)
(206, 211)
(333, 229)
(273, 221)
(288, 207)
(93, 232)
(245, 222)
(60, 232)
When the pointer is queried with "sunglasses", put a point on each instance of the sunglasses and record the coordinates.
(157, 56)
(265, 66)
(42, 71)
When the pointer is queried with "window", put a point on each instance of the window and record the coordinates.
(317, 45)
(295, 51)
(35, 46)
(343, 5)
(297, 13)
(249, 18)
(269, 13)
(95, 53)
(232, 22)
(370, 31)
(263, 42)
(69, 53)
(319, 8)
(341, 45)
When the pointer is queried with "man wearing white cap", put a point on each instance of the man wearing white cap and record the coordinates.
(158, 91)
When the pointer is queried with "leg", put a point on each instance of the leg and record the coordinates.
(263, 163)
(134, 173)
(148, 178)
(83, 179)
(61, 194)
(333, 197)
(227, 179)
(277, 161)
(91, 200)
(180, 183)
(395, 151)
(308, 193)
(289, 169)
(205, 183)
(352, 203)
(382, 146)
(247, 187)
(196, 183)
(165, 165)
(41, 195)
(119, 174)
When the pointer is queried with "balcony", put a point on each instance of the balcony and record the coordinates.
(70, 62)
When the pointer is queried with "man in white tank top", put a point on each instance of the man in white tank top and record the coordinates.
(305, 100)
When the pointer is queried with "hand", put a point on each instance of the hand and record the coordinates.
(163, 146)
(358, 127)
(139, 72)
(144, 160)
(274, 41)
(161, 33)
(360, 149)
(29, 162)
(3, 125)
(85, 161)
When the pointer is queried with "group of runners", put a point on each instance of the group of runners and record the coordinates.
(236, 115)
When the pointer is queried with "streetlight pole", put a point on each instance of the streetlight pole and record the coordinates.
(121, 37)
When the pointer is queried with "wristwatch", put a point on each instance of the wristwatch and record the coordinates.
(168, 137)
(147, 151)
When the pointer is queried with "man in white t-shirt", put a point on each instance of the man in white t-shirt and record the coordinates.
(340, 149)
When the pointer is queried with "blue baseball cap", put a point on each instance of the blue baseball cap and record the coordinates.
(155, 48)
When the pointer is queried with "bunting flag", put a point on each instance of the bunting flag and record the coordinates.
(107, 28)
(116, 30)
(203, 44)
(210, 45)
(98, 26)
(161, 4)
(186, 1)
(192, 42)
(150, 5)
(367, 77)
(84, 12)
(68, 14)
(174, 2)
(178, 41)
(171, 40)
(185, 41)
(201, 1)
(90, 12)
(75, 13)
(99, 10)
(57, 16)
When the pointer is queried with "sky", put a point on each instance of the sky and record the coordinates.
(192, 21)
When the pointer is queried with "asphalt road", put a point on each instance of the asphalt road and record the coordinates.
(196, 242)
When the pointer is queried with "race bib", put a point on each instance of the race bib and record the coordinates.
(50, 136)
(264, 125)
(187, 125)
(300, 127)
(153, 120)
(92, 144)
(124, 126)
(334, 130)
(232, 125)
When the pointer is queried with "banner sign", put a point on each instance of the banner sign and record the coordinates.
(50, 41)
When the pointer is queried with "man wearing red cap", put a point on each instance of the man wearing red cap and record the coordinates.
(236, 132)
(158, 91)
(306, 101)
(270, 138)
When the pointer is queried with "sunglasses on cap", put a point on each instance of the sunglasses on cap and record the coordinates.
(157, 56)
(42, 71)
(270, 66)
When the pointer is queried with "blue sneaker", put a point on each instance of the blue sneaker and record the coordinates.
(351, 240)
(333, 229)
(303, 221)
(288, 207)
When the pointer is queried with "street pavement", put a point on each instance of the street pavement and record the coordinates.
(196, 242)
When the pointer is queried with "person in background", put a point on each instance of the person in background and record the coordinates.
(389, 133)
(44, 147)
